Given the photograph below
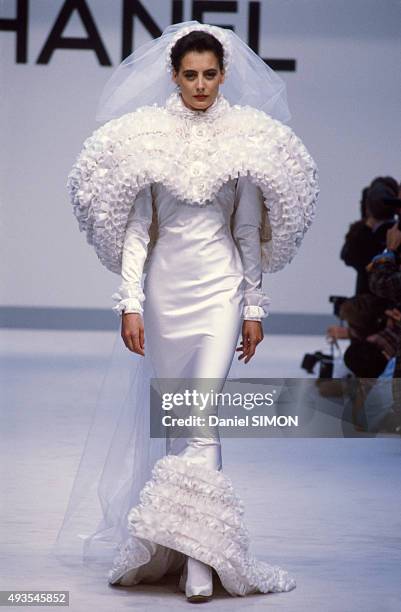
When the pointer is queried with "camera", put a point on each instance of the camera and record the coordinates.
(326, 364)
(326, 361)
(337, 300)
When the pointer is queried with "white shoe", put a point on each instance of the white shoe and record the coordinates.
(197, 581)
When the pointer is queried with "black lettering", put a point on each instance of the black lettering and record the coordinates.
(131, 9)
(288, 65)
(56, 41)
(177, 11)
(213, 6)
(254, 26)
(281, 65)
(19, 25)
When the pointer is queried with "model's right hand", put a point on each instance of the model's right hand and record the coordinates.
(133, 332)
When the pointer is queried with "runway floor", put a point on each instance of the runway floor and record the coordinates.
(328, 510)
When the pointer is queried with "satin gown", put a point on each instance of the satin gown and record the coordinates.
(203, 279)
(195, 286)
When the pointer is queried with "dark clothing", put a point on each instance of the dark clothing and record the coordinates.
(385, 280)
(361, 245)
(388, 340)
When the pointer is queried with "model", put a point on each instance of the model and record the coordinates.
(203, 194)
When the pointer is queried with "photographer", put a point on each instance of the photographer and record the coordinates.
(364, 315)
(372, 361)
(375, 334)
(367, 237)
(384, 271)
(385, 281)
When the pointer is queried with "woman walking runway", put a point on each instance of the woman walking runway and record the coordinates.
(203, 193)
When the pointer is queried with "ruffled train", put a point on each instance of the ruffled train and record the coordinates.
(188, 509)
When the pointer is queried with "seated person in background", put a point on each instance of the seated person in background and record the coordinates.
(384, 271)
(372, 361)
(375, 334)
(368, 358)
(364, 315)
(384, 274)
(367, 237)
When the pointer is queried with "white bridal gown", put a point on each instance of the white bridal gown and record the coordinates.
(202, 203)
(204, 277)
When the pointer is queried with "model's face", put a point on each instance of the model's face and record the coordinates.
(199, 79)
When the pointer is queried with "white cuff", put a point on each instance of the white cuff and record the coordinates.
(253, 313)
(129, 300)
(256, 306)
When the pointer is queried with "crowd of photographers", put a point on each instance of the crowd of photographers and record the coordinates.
(372, 317)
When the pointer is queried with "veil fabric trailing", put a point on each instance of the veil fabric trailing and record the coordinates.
(116, 461)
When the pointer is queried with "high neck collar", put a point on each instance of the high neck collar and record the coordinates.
(176, 106)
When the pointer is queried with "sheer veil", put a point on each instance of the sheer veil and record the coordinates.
(116, 461)
(144, 77)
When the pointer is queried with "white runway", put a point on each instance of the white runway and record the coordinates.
(328, 510)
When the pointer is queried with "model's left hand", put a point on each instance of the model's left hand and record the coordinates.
(252, 334)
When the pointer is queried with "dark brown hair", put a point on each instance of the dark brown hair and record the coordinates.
(196, 41)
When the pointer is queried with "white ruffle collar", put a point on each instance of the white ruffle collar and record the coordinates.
(176, 106)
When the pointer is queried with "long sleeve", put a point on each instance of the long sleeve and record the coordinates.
(246, 226)
(130, 295)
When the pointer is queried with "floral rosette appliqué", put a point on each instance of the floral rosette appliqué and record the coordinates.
(162, 144)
